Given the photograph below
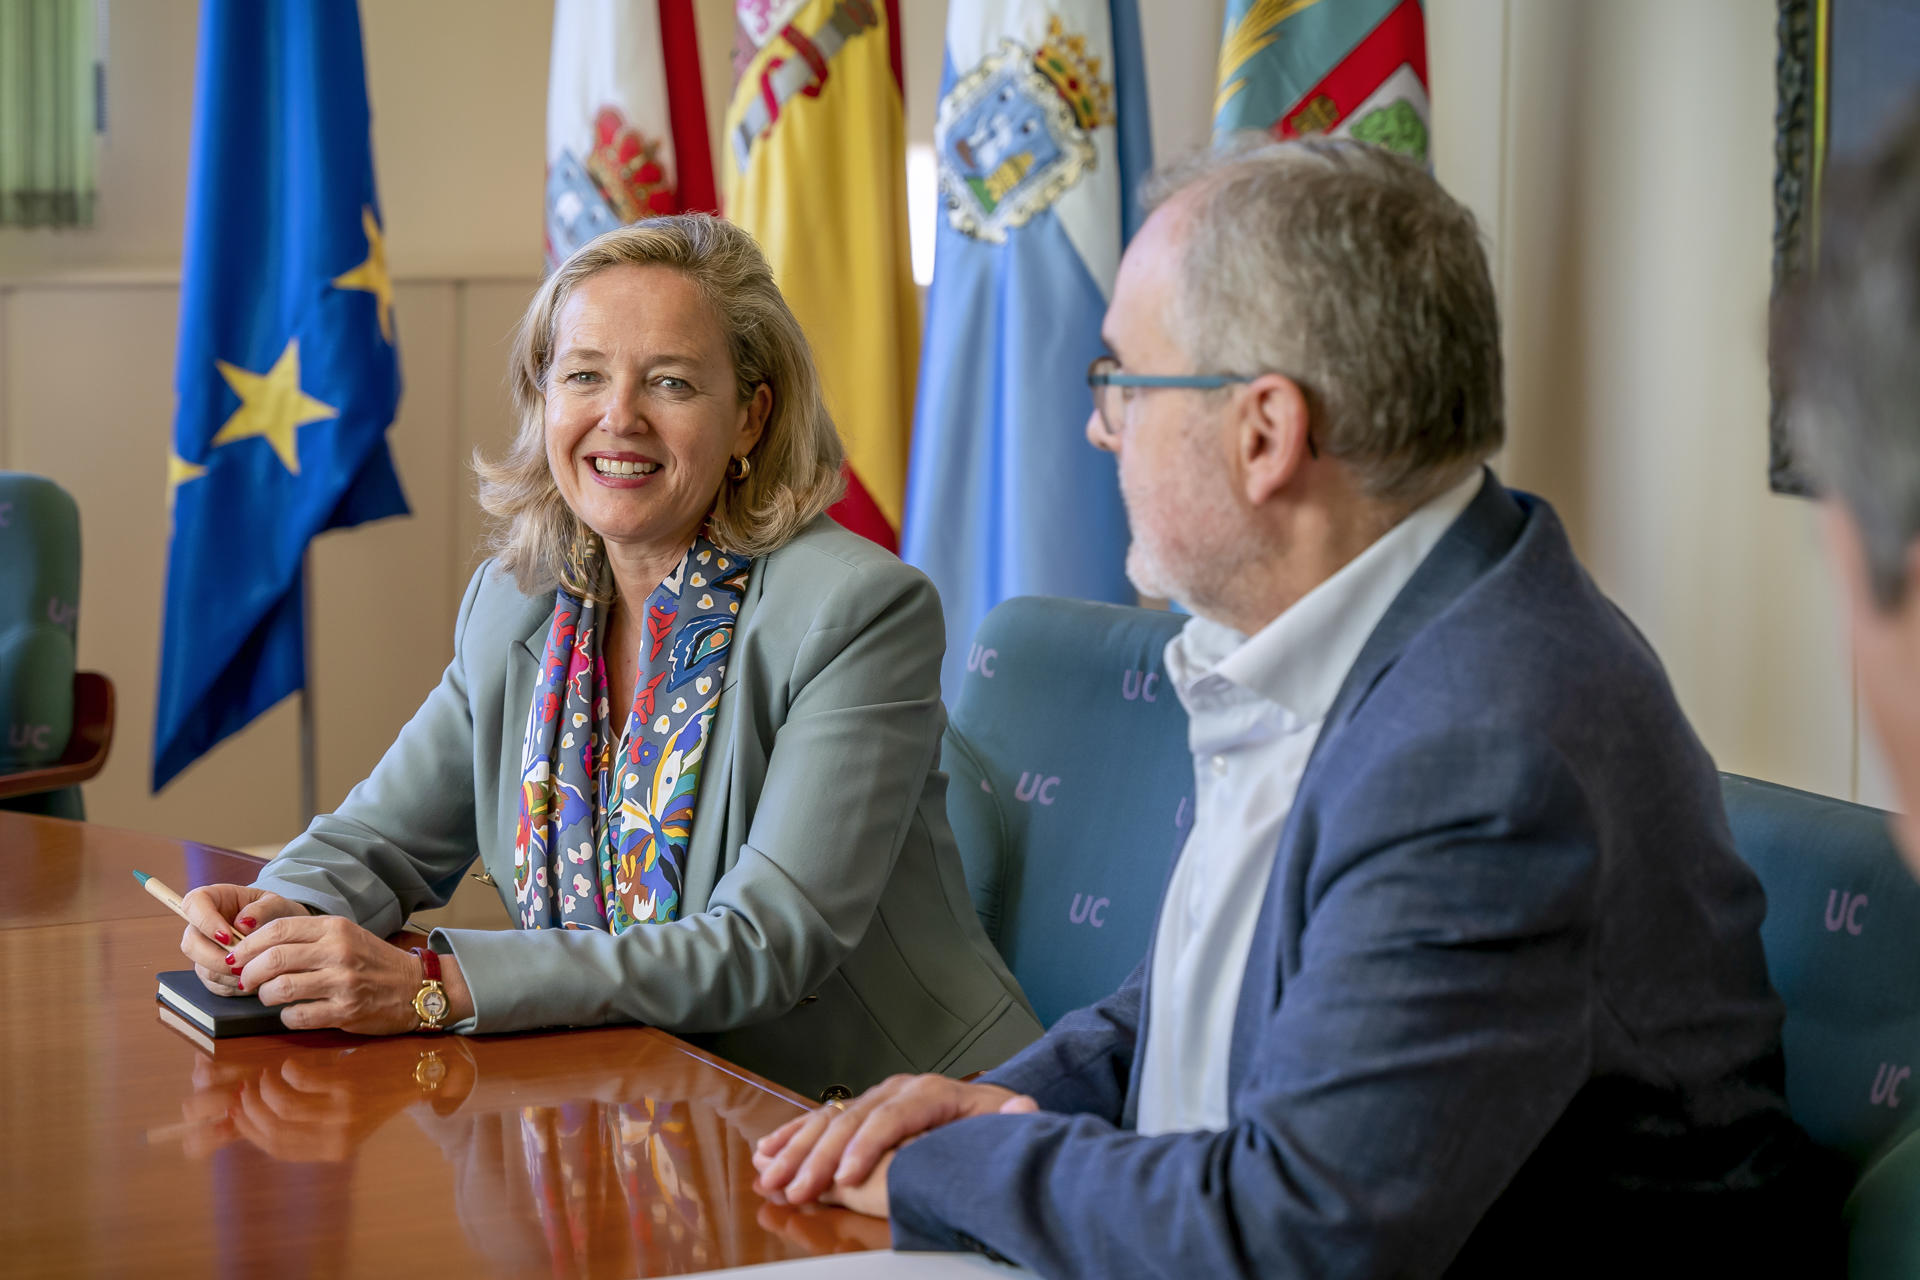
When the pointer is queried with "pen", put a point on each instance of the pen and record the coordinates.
(168, 898)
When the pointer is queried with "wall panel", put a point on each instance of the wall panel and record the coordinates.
(1637, 270)
(383, 604)
(90, 403)
(489, 310)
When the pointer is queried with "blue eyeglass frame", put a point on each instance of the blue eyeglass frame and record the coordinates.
(1098, 377)
(1191, 381)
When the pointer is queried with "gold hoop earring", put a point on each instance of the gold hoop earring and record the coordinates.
(745, 464)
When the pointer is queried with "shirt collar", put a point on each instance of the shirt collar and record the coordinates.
(1300, 659)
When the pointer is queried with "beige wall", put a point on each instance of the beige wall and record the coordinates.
(1633, 150)
(1621, 167)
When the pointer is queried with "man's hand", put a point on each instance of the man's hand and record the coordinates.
(330, 972)
(221, 915)
(869, 1195)
(842, 1153)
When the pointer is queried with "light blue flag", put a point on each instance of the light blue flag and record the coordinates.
(1041, 141)
(287, 372)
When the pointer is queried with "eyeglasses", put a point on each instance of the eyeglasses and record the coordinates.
(1109, 387)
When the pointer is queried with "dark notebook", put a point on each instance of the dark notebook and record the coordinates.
(218, 1016)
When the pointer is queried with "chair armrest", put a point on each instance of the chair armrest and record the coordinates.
(87, 745)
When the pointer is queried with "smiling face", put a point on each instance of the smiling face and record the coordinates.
(642, 412)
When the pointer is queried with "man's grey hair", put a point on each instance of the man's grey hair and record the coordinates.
(1848, 343)
(1348, 269)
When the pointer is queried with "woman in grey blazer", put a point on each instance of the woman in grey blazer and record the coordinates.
(691, 726)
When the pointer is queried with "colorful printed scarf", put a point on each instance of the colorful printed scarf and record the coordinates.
(590, 854)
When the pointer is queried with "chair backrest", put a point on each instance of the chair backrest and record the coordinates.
(1842, 937)
(39, 612)
(1072, 790)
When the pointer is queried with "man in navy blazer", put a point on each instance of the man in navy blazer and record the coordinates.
(1458, 972)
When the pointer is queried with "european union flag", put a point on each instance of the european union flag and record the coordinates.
(287, 375)
(1041, 140)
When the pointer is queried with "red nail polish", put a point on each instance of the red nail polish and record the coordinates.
(246, 922)
(241, 986)
(229, 959)
(222, 938)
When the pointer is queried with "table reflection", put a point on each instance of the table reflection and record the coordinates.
(567, 1160)
(324, 1154)
(310, 1106)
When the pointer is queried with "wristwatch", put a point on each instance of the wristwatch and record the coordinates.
(430, 1002)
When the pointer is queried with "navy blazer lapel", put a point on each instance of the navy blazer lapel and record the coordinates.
(1472, 544)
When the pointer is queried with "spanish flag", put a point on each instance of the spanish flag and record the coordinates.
(815, 168)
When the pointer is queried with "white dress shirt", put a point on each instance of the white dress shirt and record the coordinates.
(1255, 707)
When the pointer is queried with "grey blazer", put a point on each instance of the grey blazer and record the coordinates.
(826, 935)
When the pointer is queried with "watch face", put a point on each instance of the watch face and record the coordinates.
(433, 1005)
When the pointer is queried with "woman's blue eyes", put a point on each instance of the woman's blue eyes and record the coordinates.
(666, 382)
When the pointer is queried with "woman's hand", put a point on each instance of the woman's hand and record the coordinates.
(305, 1105)
(221, 915)
(329, 972)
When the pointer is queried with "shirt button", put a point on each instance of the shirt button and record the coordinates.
(1219, 765)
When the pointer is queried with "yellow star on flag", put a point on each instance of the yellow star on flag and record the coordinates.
(272, 405)
(372, 275)
(179, 471)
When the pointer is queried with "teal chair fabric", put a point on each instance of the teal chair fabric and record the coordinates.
(39, 615)
(1842, 937)
(1071, 790)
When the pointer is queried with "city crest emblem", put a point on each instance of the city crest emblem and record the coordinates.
(1015, 132)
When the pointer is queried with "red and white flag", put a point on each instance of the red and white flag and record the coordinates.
(626, 119)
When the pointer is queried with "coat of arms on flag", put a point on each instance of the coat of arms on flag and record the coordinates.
(626, 126)
(1345, 68)
(1015, 132)
(1041, 140)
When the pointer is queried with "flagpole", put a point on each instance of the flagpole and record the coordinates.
(309, 801)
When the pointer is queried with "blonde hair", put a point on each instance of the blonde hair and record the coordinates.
(795, 467)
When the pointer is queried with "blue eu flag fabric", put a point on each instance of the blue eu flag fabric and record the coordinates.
(287, 377)
(1041, 141)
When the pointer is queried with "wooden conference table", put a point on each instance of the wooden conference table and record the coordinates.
(129, 1150)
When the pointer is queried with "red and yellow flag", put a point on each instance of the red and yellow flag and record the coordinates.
(815, 167)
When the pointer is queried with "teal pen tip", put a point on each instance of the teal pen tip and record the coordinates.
(142, 876)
